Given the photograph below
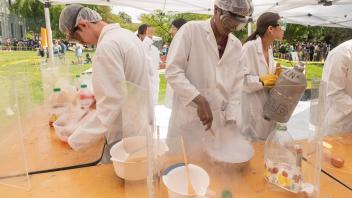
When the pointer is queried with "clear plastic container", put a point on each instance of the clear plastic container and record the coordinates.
(282, 160)
(86, 97)
(58, 105)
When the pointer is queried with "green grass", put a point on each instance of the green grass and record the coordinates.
(313, 70)
(162, 89)
(24, 68)
(26, 65)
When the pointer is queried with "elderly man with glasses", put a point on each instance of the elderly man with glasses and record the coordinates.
(203, 69)
(119, 56)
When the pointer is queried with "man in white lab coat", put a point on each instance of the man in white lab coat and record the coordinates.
(337, 89)
(119, 56)
(203, 69)
(146, 33)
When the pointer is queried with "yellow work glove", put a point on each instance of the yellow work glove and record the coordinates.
(278, 69)
(268, 79)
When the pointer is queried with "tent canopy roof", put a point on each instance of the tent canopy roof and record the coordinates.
(305, 12)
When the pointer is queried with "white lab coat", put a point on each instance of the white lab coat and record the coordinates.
(120, 56)
(193, 68)
(254, 94)
(337, 89)
(154, 58)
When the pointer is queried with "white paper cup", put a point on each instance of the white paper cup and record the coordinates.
(177, 184)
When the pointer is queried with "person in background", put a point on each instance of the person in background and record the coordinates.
(337, 88)
(63, 50)
(79, 53)
(175, 26)
(204, 71)
(311, 51)
(56, 48)
(260, 71)
(88, 59)
(119, 57)
(146, 33)
(41, 50)
(8, 44)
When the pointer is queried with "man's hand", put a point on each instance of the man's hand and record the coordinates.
(204, 111)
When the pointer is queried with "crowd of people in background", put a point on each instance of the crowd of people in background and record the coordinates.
(60, 47)
(306, 51)
(20, 45)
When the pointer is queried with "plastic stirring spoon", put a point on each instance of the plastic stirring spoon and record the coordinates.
(190, 188)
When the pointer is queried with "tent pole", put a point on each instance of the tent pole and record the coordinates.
(249, 29)
(48, 29)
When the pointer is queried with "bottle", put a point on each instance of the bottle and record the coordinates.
(86, 97)
(226, 194)
(282, 160)
(58, 105)
(285, 95)
(77, 82)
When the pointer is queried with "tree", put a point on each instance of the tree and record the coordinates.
(331, 35)
(127, 18)
(33, 11)
(162, 22)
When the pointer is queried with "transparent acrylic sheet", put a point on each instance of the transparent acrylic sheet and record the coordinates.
(129, 156)
(13, 165)
(55, 75)
(337, 139)
(245, 179)
(302, 128)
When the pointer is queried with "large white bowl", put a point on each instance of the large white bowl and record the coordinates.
(132, 170)
(176, 182)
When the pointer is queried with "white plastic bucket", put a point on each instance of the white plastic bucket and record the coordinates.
(177, 184)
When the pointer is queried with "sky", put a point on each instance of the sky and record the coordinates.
(133, 12)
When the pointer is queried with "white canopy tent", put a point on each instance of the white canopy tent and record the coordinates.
(318, 15)
(306, 12)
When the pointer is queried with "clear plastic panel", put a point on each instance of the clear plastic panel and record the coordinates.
(13, 165)
(337, 141)
(54, 75)
(227, 163)
(129, 156)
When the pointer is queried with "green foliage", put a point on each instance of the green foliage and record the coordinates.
(162, 22)
(127, 18)
(33, 11)
(330, 35)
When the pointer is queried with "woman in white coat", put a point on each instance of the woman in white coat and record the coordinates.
(259, 72)
(203, 69)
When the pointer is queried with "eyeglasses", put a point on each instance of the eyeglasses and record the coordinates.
(232, 21)
(282, 23)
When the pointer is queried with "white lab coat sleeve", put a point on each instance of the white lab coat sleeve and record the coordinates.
(177, 60)
(251, 81)
(108, 72)
(336, 83)
(87, 134)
